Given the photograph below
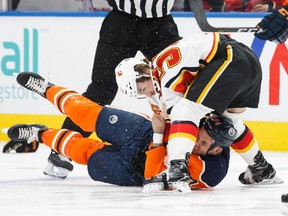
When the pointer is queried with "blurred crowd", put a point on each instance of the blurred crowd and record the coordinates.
(232, 5)
(180, 5)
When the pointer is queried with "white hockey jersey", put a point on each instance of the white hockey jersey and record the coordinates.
(175, 68)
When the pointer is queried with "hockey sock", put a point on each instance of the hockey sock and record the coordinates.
(71, 144)
(81, 110)
(182, 139)
(246, 146)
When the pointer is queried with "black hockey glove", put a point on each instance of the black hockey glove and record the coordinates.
(20, 146)
(275, 25)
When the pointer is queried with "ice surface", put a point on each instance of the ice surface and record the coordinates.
(24, 190)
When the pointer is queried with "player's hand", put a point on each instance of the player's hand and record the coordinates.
(158, 123)
(275, 25)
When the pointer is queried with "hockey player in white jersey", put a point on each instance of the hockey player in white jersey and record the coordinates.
(206, 72)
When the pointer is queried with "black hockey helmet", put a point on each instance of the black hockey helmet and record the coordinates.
(220, 129)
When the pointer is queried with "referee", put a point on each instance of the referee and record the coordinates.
(131, 26)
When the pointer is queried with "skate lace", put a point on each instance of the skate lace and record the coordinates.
(29, 133)
(37, 85)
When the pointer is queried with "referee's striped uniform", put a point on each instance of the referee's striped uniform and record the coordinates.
(131, 26)
(143, 8)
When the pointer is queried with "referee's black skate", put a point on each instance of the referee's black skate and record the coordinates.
(26, 132)
(33, 82)
(261, 172)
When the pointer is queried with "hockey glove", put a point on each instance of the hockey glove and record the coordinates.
(20, 147)
(275, 25)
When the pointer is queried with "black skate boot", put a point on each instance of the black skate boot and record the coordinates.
(58, 165)
(33, 82)
(26, 132)
(20, 146)
(178, 176)
(261, 171)
(178, 171)
(174, 180)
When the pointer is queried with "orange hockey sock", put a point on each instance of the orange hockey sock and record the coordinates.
(81, 110)
(71, 144)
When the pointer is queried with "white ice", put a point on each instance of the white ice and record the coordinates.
(24, 190)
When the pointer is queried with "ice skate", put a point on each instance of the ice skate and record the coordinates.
(58, 165)
(261, 172)
(26, 132)
(179, 177)
(156, 184)
(20, 146)
(33, 82)
(174, 180)
(160, 185)
(178, 171)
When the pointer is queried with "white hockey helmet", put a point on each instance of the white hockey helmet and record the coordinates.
(126, 76)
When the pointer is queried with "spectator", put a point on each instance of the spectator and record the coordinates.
(251, 6)
(236, 5)
(63, 5)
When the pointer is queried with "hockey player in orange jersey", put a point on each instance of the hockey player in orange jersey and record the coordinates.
(127, 140)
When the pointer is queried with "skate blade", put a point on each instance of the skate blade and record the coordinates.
(273, 181)
(174, 188)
